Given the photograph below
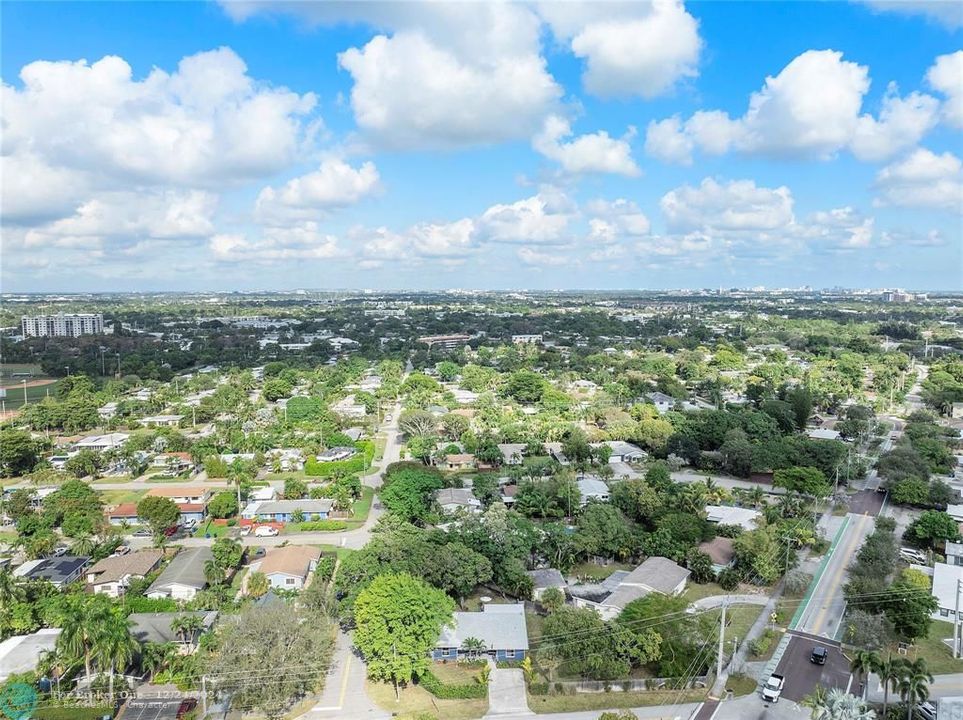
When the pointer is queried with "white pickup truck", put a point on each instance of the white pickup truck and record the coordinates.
(773, 688)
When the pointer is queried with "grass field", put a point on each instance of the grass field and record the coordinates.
(612, 700)
(939, 658)
(14, 386)
(361, 508)
(598, 572)
(116, 497)
(416, 702)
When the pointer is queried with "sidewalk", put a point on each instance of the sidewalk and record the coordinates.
(344, 695)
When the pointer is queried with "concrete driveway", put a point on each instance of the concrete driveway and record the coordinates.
(506, 694)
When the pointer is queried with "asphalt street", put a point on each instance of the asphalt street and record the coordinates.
(826, 605)
(802, 675)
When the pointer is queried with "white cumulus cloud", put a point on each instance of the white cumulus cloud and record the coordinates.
(946, 77)
(334, 184)
(589, 153)
(923, 179)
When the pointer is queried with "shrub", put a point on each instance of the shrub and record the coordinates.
(442, 691)
(729, 579)
(354, 464)
(323, 526)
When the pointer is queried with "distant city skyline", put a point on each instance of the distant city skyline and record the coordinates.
(246, 145)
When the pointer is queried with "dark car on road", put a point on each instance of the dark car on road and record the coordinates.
(819, 655)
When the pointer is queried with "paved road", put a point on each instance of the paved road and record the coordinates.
(802, 676)
(344, 693)
(866, 502)
(824, 612)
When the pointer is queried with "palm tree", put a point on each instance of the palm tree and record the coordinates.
(864, 662)
(473, 647)
(83, 626)
(756, 496)
(889, 671)
(10, 591)
(213, 573)
(155, 657)
(83, 545)
(186, 627)
(838, 705)
(115, 647)
(257, 584)
(914, 686)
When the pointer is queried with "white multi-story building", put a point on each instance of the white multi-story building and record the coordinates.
(62, 325)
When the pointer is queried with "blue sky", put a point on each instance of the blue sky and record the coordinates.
(266, 145)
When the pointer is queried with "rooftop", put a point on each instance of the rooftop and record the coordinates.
(500, 627)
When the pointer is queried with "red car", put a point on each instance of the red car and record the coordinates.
(186, 706)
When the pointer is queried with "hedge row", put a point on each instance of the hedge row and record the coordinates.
(442, 691)
(323, 526)
(354, 464)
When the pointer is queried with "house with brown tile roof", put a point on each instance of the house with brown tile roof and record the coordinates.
(111, 575)
(289, 567)
(123, 513)
(721, 551)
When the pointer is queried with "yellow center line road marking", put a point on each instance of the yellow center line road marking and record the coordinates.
(344, 682)
(836, 575)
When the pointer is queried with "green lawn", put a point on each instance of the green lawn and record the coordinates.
(361, 508)
(418, 703)
(215, 531)
(611, 700)
(167, 479)
(8, 537)
(598, 572)
(535, 625)
(696, 591)
(454, 673)
(939, 658)
(116, 497)
(380, 442)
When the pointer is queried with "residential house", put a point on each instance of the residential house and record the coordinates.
(663, 403)
(823, 434)
(954, 553)
(123, 513)
(585, 386)
(455, 499)
(720, 551)
(20, 653)
(625, 452)
(58, 571)
(100, 443)
(184, 577)
(107, 411)
(459, 461)
(464, 397)
(955, 512)
(336, 454)
(191, 501)
(353, 433)
(656, 574)
(262, 494)
(173, 462)
(512, 453)
(508, 494)
(156, 628)
(592, 489)
(113, 574)
(288, 567)
(288, 459)
(349, 408)
(746, 518)
(545, 578)
(161, 420)
(281, 511)
(554, 449)
(501, 629)
(946, 585)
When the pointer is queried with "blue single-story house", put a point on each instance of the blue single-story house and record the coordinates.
(500, 628)
(283, 510)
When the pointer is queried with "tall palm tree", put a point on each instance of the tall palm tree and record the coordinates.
(10, 590)
(213, 573)
(186, 627)
(83, 626)
(115, 647)
(756, 496)
(914, 686)
(154, 657)
(83, 545)
(890, 671)
(863, 662)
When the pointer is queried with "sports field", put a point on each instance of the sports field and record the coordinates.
(38, 385)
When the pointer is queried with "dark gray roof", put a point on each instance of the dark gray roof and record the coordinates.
(546, 578)
(58, 569)
(156, 627)
(187, 568)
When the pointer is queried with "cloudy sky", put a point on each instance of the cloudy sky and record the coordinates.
(650, 144)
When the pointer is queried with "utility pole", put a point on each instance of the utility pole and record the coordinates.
(722, 639)
(203, 696)
(956, 621)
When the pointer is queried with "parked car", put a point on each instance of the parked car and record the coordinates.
(913, 555)
(141, 532)
(773, 688)
(186, 707)
(171, 531)
(60, 550)
(121, 550)
(926, 710)
(265, 531)
(819, 655)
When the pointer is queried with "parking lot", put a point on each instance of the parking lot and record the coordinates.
(802, 676)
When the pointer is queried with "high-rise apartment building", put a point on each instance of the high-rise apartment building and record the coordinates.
(62, 325)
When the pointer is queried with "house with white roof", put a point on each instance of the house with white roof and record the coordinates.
(100, 443)
(946, 584)
(746, 518)
(592, 489)
(454, 499)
